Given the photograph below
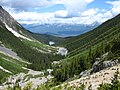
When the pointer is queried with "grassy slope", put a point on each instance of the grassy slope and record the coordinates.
(10, 64)
(99, 34)
(39, 60)
(44, 38)
(84, 49)
(41, 46)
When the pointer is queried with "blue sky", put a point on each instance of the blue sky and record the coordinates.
(61, 11)
(101, 4)
(49, 9)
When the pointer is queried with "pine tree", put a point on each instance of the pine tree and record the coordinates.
(115, 82)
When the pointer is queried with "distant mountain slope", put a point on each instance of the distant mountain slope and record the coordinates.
(61, 30)
(104, 32)
(45, 38)
(11, 23)
(100, 44)
(24, 43)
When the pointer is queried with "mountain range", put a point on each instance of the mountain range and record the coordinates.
(27, 62)
(61, 30)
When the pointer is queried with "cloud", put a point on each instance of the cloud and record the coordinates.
(73, 7)
(25, 4)
(50, 18)
(90, 12)
(75, 11)
(61, 14)
(115, 6)
(33, 17)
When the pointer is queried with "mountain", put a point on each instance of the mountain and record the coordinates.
(71, 63)
(98, 45)
(21, 31)
(11, 23)
(99, 34)
(20, 49)
(61, 30)
(45, 38)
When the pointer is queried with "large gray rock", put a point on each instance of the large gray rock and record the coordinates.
(97, 66)
(85, 73)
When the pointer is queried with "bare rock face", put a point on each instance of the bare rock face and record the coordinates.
(6, 18)
(97, 66)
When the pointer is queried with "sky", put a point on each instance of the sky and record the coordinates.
(61, 11)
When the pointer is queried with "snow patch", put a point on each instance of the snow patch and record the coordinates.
(49, 70)
(55, 62)
(51, 43)
(34, 72)
(49, 77)
(16, 33)
(62, 51)
(5, 70)
(40, 50)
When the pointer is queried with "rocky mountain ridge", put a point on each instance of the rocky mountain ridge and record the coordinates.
(5, 17)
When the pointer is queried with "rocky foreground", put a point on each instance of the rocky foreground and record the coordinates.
(94, 80)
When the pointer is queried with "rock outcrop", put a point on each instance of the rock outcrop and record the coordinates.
(5, 17)
(97, 66)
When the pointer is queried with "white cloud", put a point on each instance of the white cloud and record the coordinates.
(90, 12)
(87, 17)
(33, 17)
(115, 6)
(75, 12)
(61, 14)
(50, 18)
(73, 7)
(25, 4)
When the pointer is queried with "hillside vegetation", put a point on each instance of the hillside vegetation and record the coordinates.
(104, 32)
(26, 45)
(84, 49)
(102, 43)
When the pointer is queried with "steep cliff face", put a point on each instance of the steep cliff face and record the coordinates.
(10, 22)
(5, 17)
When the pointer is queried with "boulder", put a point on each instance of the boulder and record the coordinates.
(85, 73)
(97, 66)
